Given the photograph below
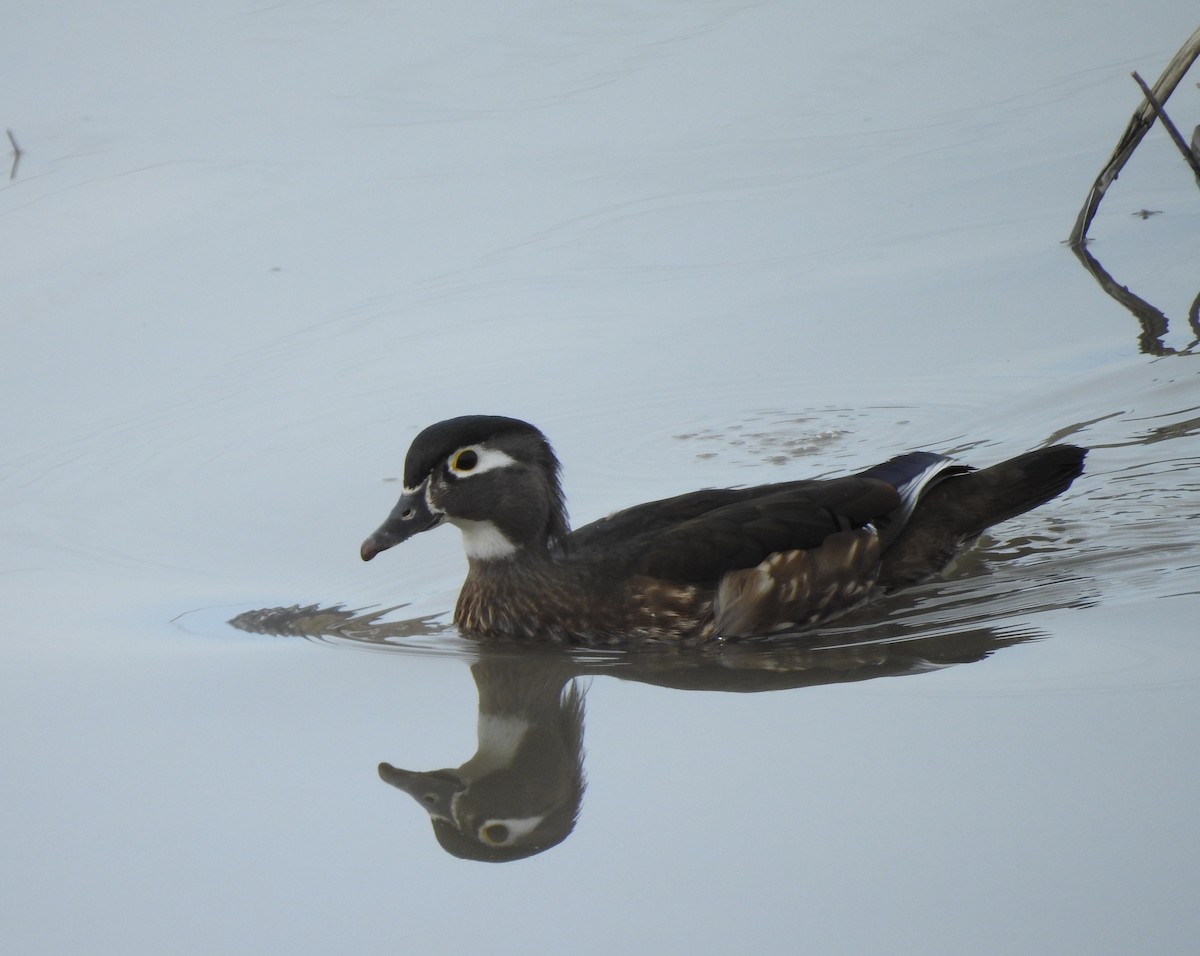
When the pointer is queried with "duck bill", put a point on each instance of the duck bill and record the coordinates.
(435, 790)
(410, 516)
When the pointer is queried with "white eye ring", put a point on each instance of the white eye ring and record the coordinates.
(504, 832)
(476, 459)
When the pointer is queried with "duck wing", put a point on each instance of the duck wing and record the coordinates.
(697, 537)
(701, 549)
(619, 529)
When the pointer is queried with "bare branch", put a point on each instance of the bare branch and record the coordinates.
(1138, 126)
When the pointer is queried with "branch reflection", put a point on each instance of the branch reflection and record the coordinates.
(1154, 323)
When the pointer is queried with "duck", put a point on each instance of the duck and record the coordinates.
(719, 564)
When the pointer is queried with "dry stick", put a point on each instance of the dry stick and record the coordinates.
(1188, 155)
(1139, 125)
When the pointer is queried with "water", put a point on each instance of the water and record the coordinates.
(249, 254)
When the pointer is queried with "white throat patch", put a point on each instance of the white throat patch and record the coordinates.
(499, 739)
(482, 540)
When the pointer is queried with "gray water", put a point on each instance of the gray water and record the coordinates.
(251, 250)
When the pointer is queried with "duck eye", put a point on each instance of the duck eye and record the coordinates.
(465, 460)
(495, 834)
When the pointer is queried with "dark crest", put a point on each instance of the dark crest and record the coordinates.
(438, 441)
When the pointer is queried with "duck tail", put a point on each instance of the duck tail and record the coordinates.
(959, 507)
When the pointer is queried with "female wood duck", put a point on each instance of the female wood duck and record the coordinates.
(709, 565)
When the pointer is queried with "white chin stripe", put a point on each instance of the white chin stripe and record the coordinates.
(482, 540)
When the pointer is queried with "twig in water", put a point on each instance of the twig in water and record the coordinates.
(1188, 155)
(1138, 126)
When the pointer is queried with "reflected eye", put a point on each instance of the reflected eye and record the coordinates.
(495, 834)
(465, 460)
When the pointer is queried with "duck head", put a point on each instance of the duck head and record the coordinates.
(495, 478)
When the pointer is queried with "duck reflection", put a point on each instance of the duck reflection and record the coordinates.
(521, 792)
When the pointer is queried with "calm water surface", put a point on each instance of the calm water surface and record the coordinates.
(250, 253)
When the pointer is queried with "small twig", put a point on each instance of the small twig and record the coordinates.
(17, 154)
(1188, 155)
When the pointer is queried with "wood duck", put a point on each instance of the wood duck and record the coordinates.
(717, 564)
